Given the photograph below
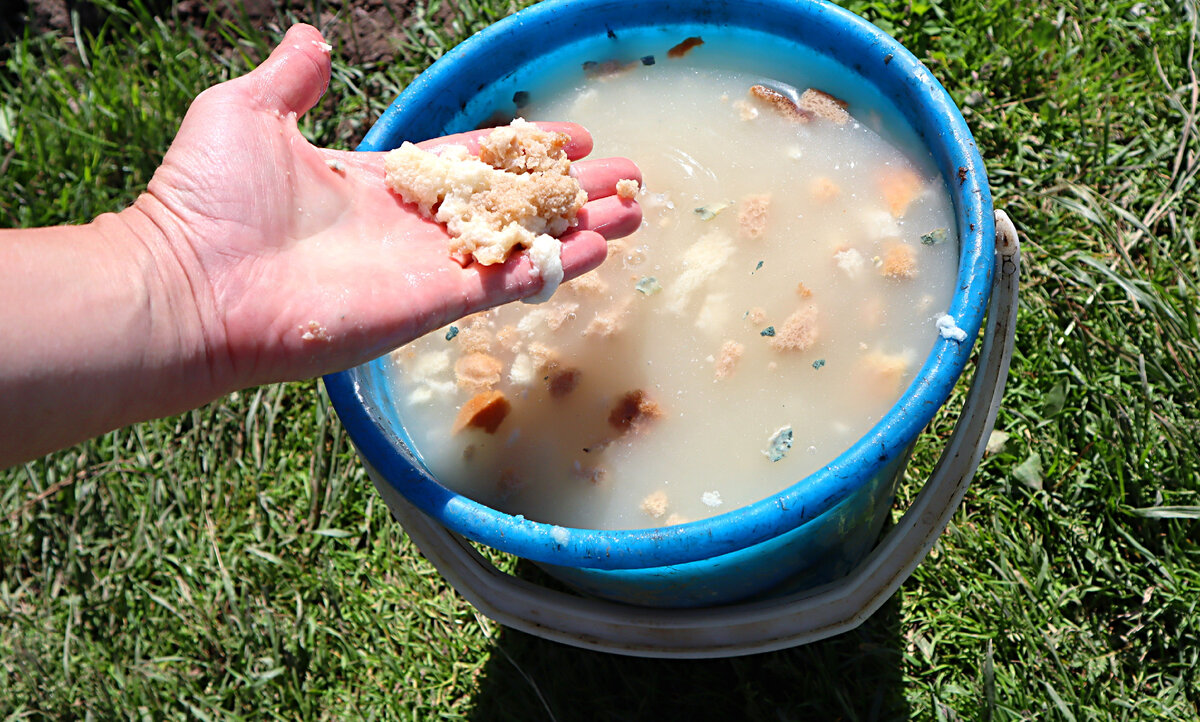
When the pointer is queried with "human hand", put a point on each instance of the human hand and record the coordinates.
(299, 260)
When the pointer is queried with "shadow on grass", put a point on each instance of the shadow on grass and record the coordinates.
(855, 676)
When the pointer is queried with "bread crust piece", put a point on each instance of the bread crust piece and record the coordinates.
(485, 410)
(490, 207)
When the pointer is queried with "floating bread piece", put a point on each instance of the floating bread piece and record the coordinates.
(563, 381)
(727, 360)
(824, 106)
(883, 372)
(509, 339)
(485, 410)
(714, 314)
(900, 187)
(589, 284)
(752, 216)
(627, 188)
(544, 358)
(478, 371)
(780, 103)
(899, 262)
(746, 111)
(851, 261)
(608, 68)
(560, 314)
(609, 323)
(756, 316)
(803, 290)
(655, 504)
(798, 332)
(475, 337)
(824, 189)
(685, 47)
(488, 211)
(632, 410)
(701, 261)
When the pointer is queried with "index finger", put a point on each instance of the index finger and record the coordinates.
(579, 145)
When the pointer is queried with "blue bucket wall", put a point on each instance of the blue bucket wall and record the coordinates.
(809, 533)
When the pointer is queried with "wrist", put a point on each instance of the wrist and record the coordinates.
(182, 343)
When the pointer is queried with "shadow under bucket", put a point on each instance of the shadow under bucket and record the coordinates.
(782, 549)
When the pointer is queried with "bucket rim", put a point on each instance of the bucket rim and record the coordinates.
(880, 60)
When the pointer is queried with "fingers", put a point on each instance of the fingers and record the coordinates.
(611, 217)
(579, 145)
(295, 75)
(581, 252)
(599, 176)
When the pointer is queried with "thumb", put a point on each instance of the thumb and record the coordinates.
(295, 75)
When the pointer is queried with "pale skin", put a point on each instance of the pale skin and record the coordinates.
(252, 257)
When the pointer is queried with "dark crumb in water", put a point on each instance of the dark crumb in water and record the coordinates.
(611, 34)
(521, 98)
(647, 60)
(768, 331)
(685, 47)
(818, 364)
(450, 334)
(563, 382)
(596, 69)
(632, 409)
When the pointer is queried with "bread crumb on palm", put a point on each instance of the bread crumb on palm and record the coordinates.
(314, 331)
(516, 191)
(627, 188)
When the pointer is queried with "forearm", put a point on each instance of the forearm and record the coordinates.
(98, 332)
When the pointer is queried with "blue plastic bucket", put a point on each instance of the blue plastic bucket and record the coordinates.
(818, 528)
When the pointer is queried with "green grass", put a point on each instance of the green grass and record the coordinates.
(234, 562)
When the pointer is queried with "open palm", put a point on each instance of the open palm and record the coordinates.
(300, 259)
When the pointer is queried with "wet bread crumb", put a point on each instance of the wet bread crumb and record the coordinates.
(523, 191)
(477, 371)
(752, 216)
(798, 332)
(632, 410)
(485, 410)
(822, 105)
(627, 188)
(727, 360)
(685, 47)
(900, 187)
(561, 382)
(899, 262)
